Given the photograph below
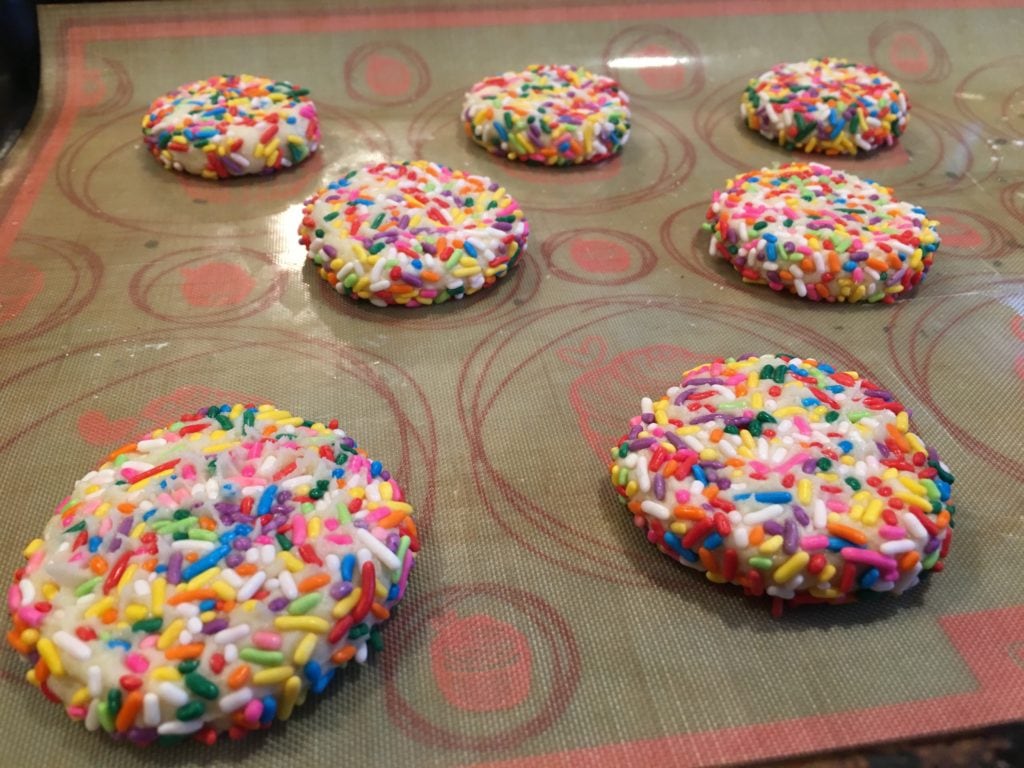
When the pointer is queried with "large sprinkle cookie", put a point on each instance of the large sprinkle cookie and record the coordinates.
(412, 234)
(788, 477)
(232, 125)
(826, 105)
(548, 114)
(209, 576)
(822, 234)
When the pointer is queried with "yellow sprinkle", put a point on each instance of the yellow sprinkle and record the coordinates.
(236, 411)
(803, 491)
(206, 616)
(30, 676)
(748, 439)
(166, 674)
(752, 382)
(890, 473)
(224, 590)
(913, 486)
(401, 506)
(91, 490)
(81, 697)
(50, 590)
(757, 401)
(856, 511)
(344, 606)
(791, 567)
(32, 548)
(827, 594)
(138, 530)
(715, 577)
(250, 605)
(708, 454)
(302, 624)
(304, 650)
(48, 653)
(159, 591)
(291, 695)
(380, 591)
(126, 577)
(143, 483)
(170, 635)
(30, 637)
(913, 500)
(915, 442)
(272, 675)
(294, 421)
(871, 514)
(827, 573)
(215, 449)
(203, 578)
(789, 410)
(631, 488)
(102, 509)
(291, 562)
(97, 608)
(771, 545)
(135, 612)
(692, 429)
(679, 527)
(313, 528)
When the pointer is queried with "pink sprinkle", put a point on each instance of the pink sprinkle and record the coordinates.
(814, 542)
(30, 615)
(800, 458)
(105, 525)
(338, 538)
(253, 710)
(254, 450)
(867, 557)
(60, 506)
(136, 663)
(248, 470)
(891, 532)
(166, 500)
(127, 473)
(188, 472)
(149, 641)
(682, 496)
(13, 598)
(760, 468)
(262, 539)
(837, 506)
(268, 641)
(77, 713)
(298, 530)
(330, 523)
(35, 561)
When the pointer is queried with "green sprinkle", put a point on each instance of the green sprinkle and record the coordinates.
(189, 665)
(284, 541)
(200, 686)
(343, 515)
(754, 428)
(304, 604)
(358, 632)
(377, 221)
(945, 476)
(86, 587)
(202, 534)
(761, 563)
(249, 419)
(190, 711)
(76, 527)
(261, 657)
(831, 416)
(375, 640)
(779, 376)
(856, 416)
(152, 624)
(105, 717)
(377, 247)
(853, 483)
(624, 450)
(767, 372)
(824, 464)
(766, 418)
(114, 701)
(929, 562)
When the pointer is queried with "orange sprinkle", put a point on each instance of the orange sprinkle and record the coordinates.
(190, 651)
(634, 507)
(688, 512)
(909, 560)
(717, 433)
(239, 676)
(14, 640)
(410, 526)
(150, 565)
(191, 557)
(109, 616)
(343, 655)
(898, 438)
(207, 524)
(245, 569)
(943, 519)
(670, 468)
(710, 492)
(757, 535)
(191, 595)
(848, 533)
(392, 520)
(314, 582)
(125, 508)
(379, 611)
(876, 264)
(429, 276)
(42, 672)
(129, 448)
(98, 564)
(707, 559)
(734, 462)
(130, 709)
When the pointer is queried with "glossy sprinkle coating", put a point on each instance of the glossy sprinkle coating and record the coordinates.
(232, 125)
(786, 477)
(208, 577)
(412, 234)
(554, 115)
(822, 234)
(826, 105)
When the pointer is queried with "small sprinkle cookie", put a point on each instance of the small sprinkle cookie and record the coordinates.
(786, 477)
(208, 577)
(232, 125)
(822, 234)
(548, 114)
(826, 105)
(412, 234)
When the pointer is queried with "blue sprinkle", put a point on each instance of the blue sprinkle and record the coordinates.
(149, 514)
(207, 605)
(376, 468)
(501, 130)
(712, 541)
(269, 710)
(119, 644)
(809, 402)
(835, 388)
(849, 266)
(290, 120)
(417, 264)
(742, 496)
(348, 566)
(94, 543)
(770, 250)
(393, 592)
(206, 562)
(468, 248)
(161, 568)
(266, 500)
(845, 446)
(337, 472)
(773, 497)
(835, 544)
(312, 671)
(322, 683)
(869, 577)
(698, 472)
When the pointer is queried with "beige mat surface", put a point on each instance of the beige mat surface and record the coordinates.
(540, 627)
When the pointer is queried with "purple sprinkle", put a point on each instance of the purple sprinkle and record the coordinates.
(215, 626)
(242, 543)
(790, 543)
(704, 381)
(684, 395)
(126, 525)
(634, 431)
(883, 449)
(234, 559)
(278, 604)
(340, 589)
(174, 568)
(808, 467)
(115, 544)
(643, 442)
(931, 546)
(801, 516)
(772, 528)
(659, 486)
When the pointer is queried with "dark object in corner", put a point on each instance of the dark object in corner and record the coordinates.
(19, 68)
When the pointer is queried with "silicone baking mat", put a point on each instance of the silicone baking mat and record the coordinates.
(540, 628)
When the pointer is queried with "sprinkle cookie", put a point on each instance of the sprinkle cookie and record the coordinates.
(548, 114)
(826, 105)
(208, 577)
(786, 477)
(232, 125)
(412, 234)
(822, 234)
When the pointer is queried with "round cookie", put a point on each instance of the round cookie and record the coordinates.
(412, 234)
(786, 477)
(826, 105)
(821, 233)
(555, 115)
(232, 125)
(208, 577)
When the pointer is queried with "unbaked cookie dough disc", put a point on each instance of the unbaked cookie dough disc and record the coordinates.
(208, 577)
(412, 234)
(232, 125)
(554, 115)
(786, 477)
(823, 234)
(826, 105)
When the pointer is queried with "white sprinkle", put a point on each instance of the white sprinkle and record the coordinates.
(235, 700)
(231, 634)
(145, 446)
(764, 514)
(92, 717)
(150, 710)
(386, 556)
(172, 694)
(287, 583)
(897, 547)
(294, 482)
(230, 653)
(178, 727)
(94, 682)
(28, 591)
(72, 645)
(655, 509)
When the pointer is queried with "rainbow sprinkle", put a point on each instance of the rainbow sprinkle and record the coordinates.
(822, 234)
(232, 125)
(554, 115)
(412, 234)
(209, 576)
(786, 477)
(826, 105)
